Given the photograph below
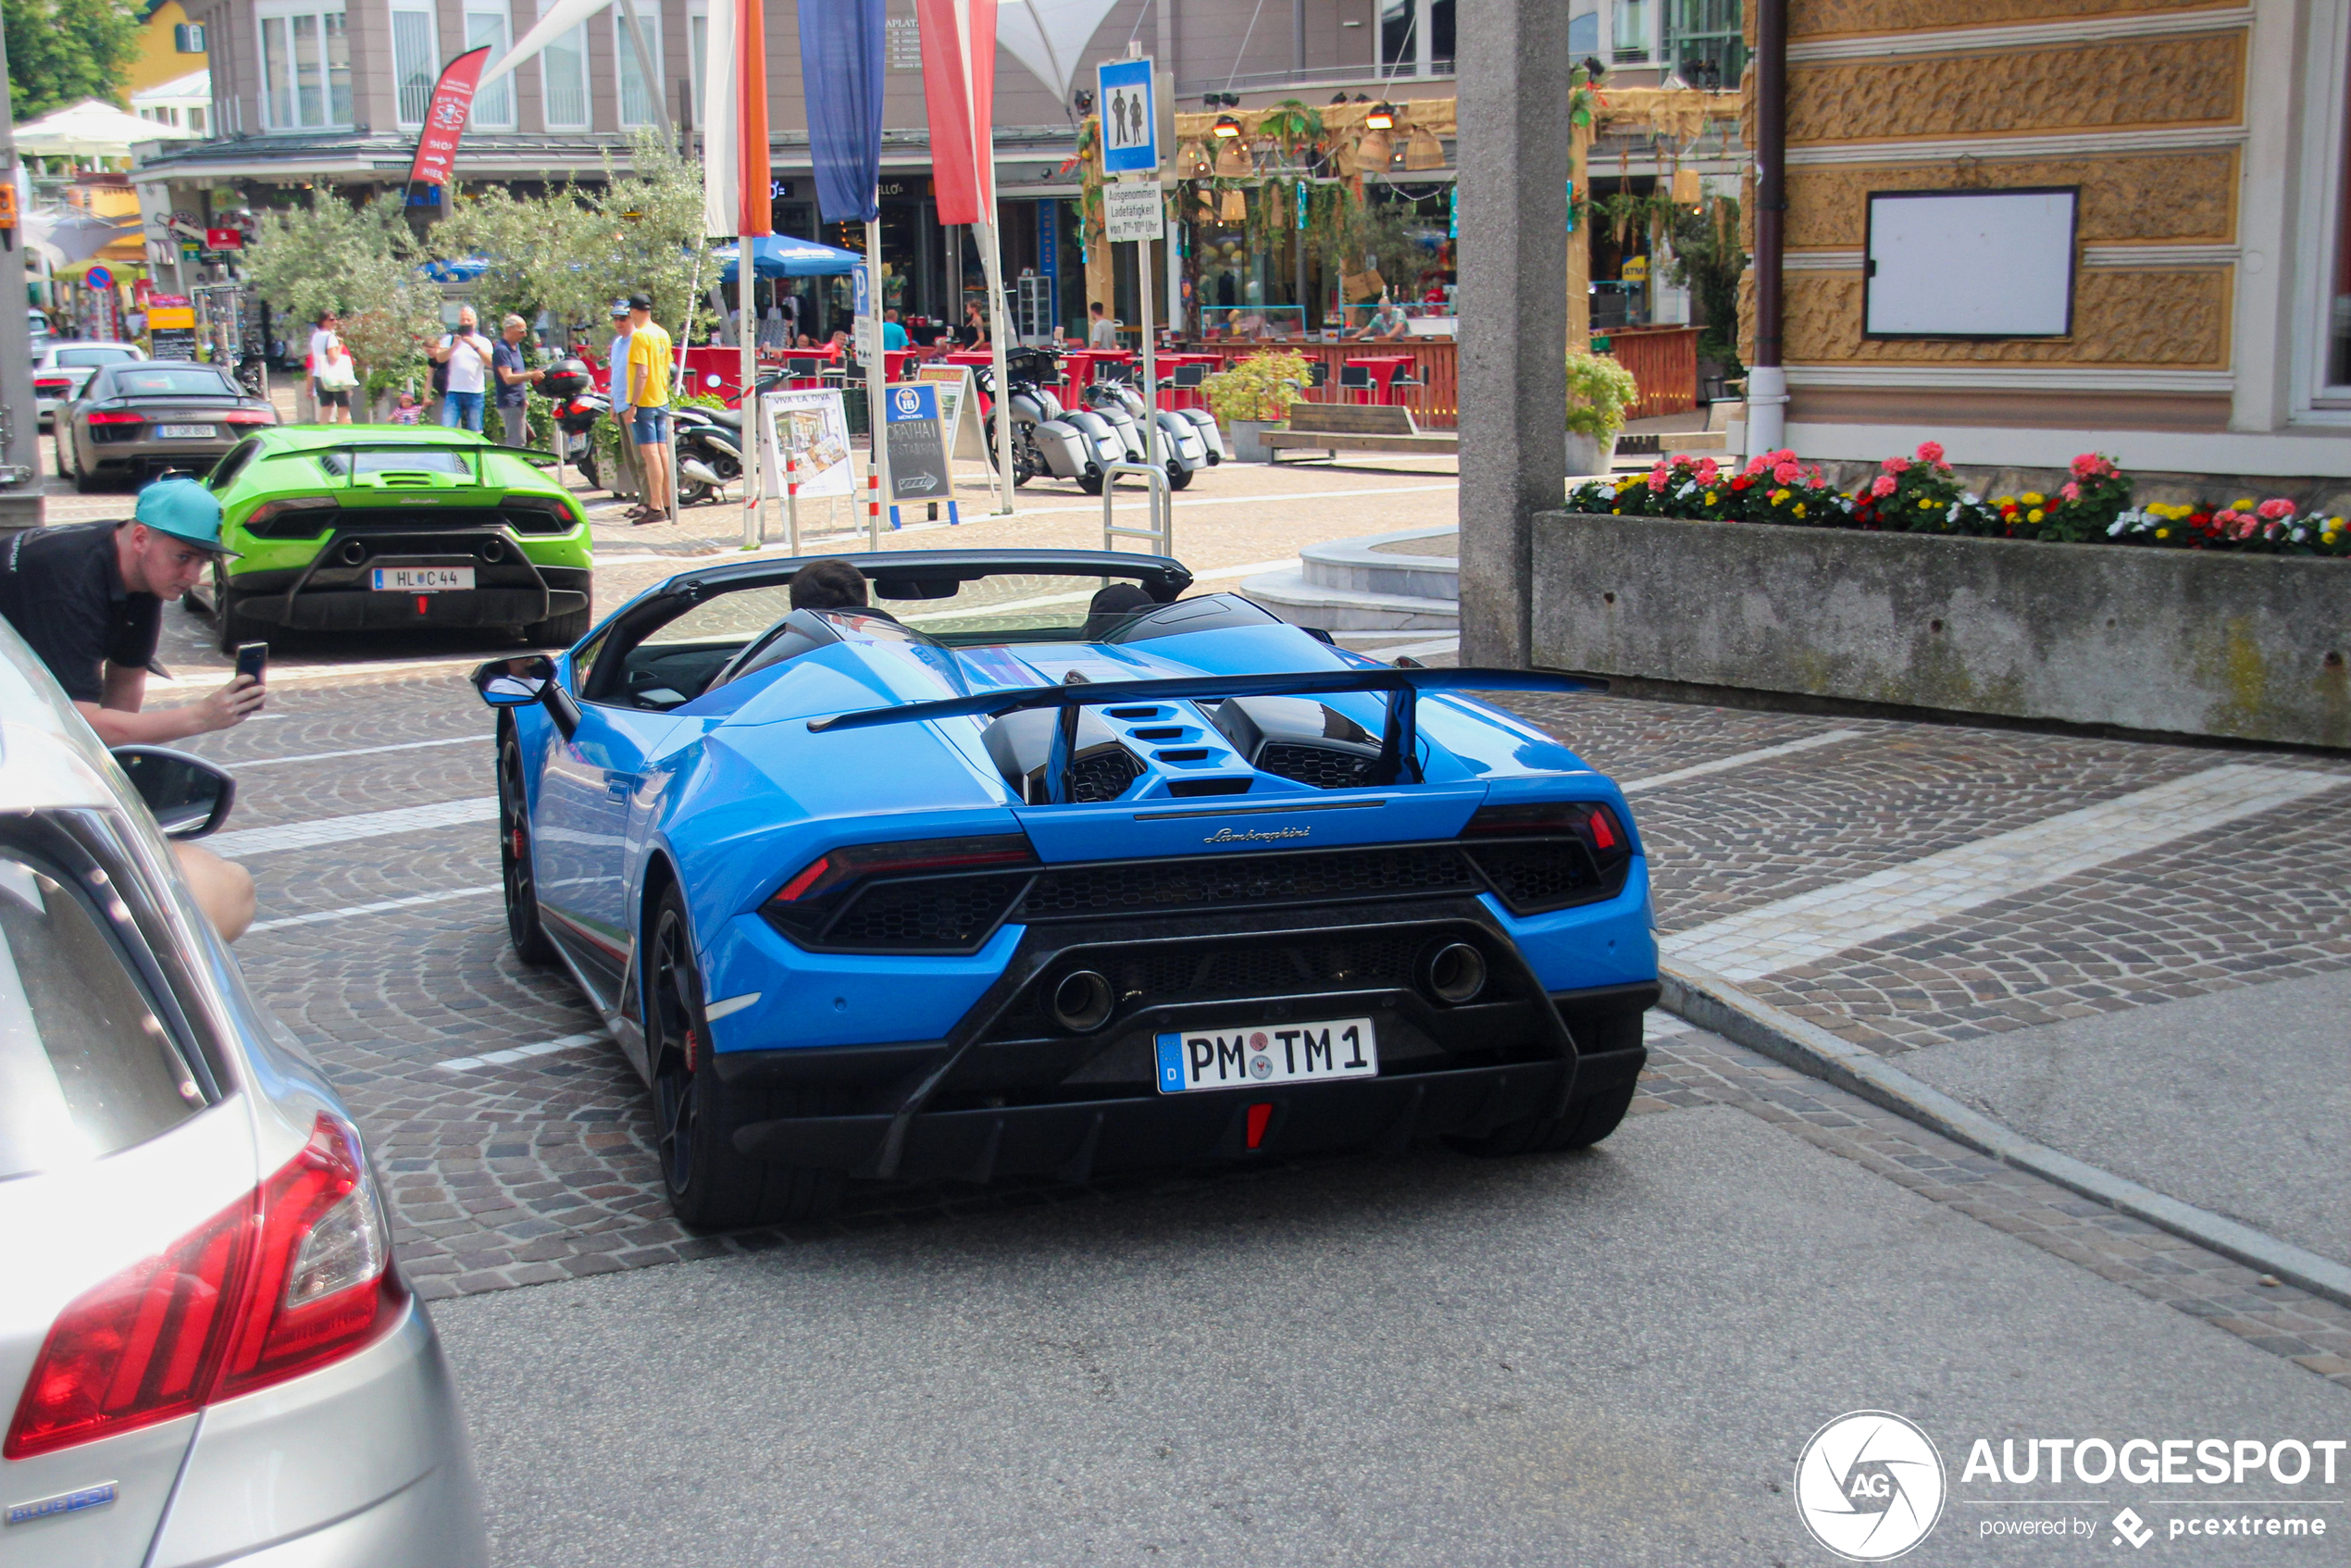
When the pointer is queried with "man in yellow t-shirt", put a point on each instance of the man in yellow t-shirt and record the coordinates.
(645, 406)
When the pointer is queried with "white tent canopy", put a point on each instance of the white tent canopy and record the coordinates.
(1049, 37)
(93, 129)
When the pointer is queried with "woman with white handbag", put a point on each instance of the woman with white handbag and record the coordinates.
(333, 375)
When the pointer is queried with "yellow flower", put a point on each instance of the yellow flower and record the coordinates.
(2034, 515)
(2327, 538)
(1710, 498)
(2243, 505)
(1926, 504)
(1778, 496)
(2163, 533)
(1799, 508)
(2033, 498)
(2002, 499)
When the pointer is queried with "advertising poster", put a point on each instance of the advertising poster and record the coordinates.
(918, 467)
(809, 430)
(171, 327)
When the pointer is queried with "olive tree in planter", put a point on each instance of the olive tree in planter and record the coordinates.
(1253, 394)
(1599, 391)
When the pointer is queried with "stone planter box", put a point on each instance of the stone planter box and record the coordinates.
(1243, 436)
(2244, 646)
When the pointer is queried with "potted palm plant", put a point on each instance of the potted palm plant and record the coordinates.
(1599, 393)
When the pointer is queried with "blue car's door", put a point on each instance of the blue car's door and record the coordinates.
(585, 797)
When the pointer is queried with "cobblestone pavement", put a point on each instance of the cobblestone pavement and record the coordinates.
(517, 1143)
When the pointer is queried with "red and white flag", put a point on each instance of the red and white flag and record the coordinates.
(452, 100)
(959, 90)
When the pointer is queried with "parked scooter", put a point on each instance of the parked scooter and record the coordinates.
(577, 407)
(1049, 442)
(710, 452)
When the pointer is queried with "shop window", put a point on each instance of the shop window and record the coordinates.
(306, 68)
(494, 106)
(638, 104)
(1629, 38)
(1399, 44)
(563, 75)
(416, 63)
(1704, 41)
(2338, 326)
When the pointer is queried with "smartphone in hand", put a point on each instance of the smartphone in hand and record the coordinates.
(252, 659)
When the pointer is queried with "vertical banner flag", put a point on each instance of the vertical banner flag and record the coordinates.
(959, 90)
(452, 100)
(755, 174)
(721, 196)
(840, 70)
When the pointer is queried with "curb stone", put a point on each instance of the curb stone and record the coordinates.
(1711, 1003)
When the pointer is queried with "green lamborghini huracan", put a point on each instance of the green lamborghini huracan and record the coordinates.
(351, 527)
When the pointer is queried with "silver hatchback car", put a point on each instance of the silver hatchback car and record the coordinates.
(207, 1353)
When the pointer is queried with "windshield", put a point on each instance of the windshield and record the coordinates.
(81, 356)
(1013, 608)
(171, 380)
(343, 462)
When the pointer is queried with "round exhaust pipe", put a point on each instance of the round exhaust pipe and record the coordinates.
(1082, 1001)
(1453, 973)
(353, 552)
(493, 551)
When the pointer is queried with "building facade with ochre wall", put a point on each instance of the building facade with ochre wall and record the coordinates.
(2210, 321)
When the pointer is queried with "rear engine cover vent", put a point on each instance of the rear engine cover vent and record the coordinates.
(1301, 739)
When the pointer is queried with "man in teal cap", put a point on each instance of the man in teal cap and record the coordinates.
(89, 599)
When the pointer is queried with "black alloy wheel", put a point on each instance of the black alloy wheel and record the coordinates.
(712, 1185)
(518, 875)
(1027, 462)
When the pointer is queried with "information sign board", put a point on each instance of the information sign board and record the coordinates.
(1134, 211)
(1130, 117)
(918, 467)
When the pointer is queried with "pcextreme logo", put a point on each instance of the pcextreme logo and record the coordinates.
(1870, 1486)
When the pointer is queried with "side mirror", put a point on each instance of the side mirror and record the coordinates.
(189, 796)
(515, 683)
(526, 678)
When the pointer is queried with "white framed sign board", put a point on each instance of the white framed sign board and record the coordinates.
(1132, 210)
(959, 421)
(1970, 264)
(810, 429)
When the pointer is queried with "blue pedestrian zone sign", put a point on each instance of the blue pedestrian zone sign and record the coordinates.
(1130, 119)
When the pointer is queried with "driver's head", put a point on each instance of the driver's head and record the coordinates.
(1112, 605)
(831, 584)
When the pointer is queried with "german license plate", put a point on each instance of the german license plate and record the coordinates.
(187, 432)
(1263, 1054)
(422, 580)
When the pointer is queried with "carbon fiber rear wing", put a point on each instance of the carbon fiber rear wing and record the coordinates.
(1399, 739)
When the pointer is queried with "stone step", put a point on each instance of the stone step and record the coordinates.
(1302, 603)
(1360, 566)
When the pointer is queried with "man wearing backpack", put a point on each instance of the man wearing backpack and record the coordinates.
(468, 355)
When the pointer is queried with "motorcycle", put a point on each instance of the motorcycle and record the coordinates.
(577, 406)
(1048, 441)
(710, 452)
(1180, 437)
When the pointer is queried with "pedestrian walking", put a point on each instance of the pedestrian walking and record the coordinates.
(515, 380)
(468, 355)
(1103, 333)
(88, 600)
(646, 407)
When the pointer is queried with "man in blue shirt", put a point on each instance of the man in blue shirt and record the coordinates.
(893, 335)
(515, 379)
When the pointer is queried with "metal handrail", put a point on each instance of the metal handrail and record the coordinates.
(1161, 502)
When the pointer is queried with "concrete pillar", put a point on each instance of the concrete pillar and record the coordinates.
(1513, 253)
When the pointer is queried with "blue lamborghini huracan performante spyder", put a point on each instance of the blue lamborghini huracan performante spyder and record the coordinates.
(994, 878)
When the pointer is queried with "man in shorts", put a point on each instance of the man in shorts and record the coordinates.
(645, 406)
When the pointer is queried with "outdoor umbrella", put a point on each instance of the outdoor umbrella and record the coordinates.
(70, 235)
(780, 255)
(93, 129)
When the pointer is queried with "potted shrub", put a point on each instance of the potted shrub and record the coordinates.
(1253, 394)
(1599, 391)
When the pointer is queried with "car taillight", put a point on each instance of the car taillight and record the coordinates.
(105, 416)
(295, 1273)
(52, 388)
(250, 416)
(832, 868)
(1587, 820)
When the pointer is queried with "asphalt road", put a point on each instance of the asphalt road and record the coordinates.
(1612, 1358)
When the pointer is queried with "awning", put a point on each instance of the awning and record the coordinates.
(93, 129)
(780, 255)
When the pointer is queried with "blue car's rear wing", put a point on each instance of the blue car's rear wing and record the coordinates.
(1398, 744)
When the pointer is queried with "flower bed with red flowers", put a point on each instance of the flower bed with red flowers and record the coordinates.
(1919, 495)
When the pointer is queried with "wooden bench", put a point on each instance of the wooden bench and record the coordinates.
(1334, 427)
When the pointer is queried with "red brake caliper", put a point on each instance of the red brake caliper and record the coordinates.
(690, 1047)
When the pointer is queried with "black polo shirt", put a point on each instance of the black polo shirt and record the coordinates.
(62, 591)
